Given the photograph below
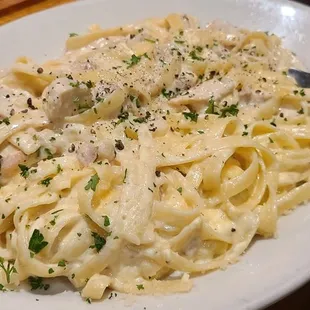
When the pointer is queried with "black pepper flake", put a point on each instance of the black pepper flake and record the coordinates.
(119, 145)
(71, 149)
(7, 96)
(157, 173)
(30, 105)
(233, 229)
(40, 70)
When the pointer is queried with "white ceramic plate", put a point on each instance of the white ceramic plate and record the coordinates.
(271, 268)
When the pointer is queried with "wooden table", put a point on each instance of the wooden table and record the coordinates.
(300, 300)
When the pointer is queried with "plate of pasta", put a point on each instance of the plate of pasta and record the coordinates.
(152, 155)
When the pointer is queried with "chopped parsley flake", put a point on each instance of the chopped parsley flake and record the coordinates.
(192, 116)
(62, 263)
(99, 242)
(180, 190)
(135, 60)
(59, 169)
(24, 171)
(73, 34)
(229, 111)
(46, 181)
(9, 269)
(37, 243)
(106, 221)
(125, 176)
(140, 287)
(92, 183)
(37, 283)
(194, 56)
(76, 84)
(50, 271)
(167, 94)
(211, 107)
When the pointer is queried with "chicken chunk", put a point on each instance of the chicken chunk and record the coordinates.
(66, 97)
(10, 158)
(106, 150)
(203, 92)
(86, 153)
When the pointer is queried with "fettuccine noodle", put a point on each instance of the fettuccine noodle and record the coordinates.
(148, 154)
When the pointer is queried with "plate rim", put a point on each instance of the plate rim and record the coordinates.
(295, 282)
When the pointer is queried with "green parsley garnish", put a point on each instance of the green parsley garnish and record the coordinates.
(194, 56)
(89, 84)
(180, 190)
(59, 169)
(192, 116)
(140, 120)
(136, 101)
(125, 176)
(211, 107)
(301, 111)
(49, 153)
(62, 263)
(50, 271)
(140, 287)
(37, 243)
(135, 60)
(73, 34)
(24, 171)
(92, 183)
(106, 221)
(6, 121)
(302, 93)
(9, 269)
(232, 110)
(149, 40)
(76, 84)
(167, 94)
(99, 242)
(37, 283)
(46, 181)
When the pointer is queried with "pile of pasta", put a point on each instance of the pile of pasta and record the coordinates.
(206, 144)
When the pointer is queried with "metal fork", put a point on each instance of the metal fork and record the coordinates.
(301, 77)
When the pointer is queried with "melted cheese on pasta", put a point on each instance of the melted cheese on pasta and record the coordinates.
(148, 153)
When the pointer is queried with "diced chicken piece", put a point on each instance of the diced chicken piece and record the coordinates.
(186, 79)
(10, 158)
(12, 101)
(86, 153)
(27, 141)
(202, 93)
(102, 89)
(247, 95)
(106, 150)
(165, 69)
(66, 97)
